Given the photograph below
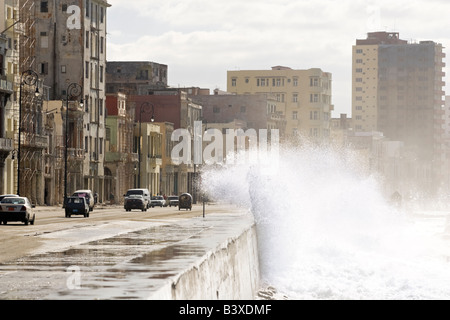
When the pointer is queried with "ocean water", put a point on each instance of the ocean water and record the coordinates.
(325, 230)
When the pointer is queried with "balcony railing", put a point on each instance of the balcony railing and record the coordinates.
(6, 144)
(34, 141)
(6, 86)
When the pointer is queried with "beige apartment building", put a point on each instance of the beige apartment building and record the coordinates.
(305, 97)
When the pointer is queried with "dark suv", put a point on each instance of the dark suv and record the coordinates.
(77, 205)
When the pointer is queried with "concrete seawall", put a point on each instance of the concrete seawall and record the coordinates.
(229, 271)
(198, 258)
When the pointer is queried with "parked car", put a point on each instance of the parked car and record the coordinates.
(158, 201)
(140, 192)
(78, 206)
(17, 209)
(173, 200)
(86, 194)
(7, 195)
(135, 201)
(185, 201)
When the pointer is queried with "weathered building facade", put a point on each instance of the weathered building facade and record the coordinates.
(135, 77)
(71, 59)
(121, 160)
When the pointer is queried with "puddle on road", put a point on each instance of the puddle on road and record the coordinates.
(129, 261)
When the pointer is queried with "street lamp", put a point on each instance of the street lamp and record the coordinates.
(141, 110)
(74, 91)
(30, 78)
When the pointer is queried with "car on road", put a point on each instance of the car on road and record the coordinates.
(7, 195)
(135, 201)
(158, 201)
(77, 206)
(173, 201)
(86, 194)
(144, 193)
(13, 209)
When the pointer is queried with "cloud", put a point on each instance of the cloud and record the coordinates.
(200, 40)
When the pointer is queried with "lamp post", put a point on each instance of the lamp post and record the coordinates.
(141, 110)
(74, 91)
(30, 78)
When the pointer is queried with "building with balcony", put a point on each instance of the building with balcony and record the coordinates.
(175, 107)
(121, 161)
(9, 104)
(149, 142)
(70, 48)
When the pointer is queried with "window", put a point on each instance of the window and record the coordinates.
(359, 70)
(295, 82)
(63, 69)
(295, 97)
(87, 69)
(359, 51)
(294, 115)
(216, 109)
(43, 68)
(314, 97)
(243, 109)
(101, 74)
(233, 82)
(44, 6)
(87, 8)
(44, 40)
(314, 82)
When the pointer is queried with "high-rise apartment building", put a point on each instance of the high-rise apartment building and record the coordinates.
(398, 90)
(304, 95)
(71, 54)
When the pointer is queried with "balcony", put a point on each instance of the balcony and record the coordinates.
(34, 141)
(6, 86)
(116, 157)
(75, 154)
(155, 161)
(6, 145)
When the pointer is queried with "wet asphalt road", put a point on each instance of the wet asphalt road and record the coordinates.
(113, 254)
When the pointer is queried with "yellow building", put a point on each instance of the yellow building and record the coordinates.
(150, 156)
(305, 96)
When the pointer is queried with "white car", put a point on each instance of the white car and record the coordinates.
(17, 209)
(158, 201)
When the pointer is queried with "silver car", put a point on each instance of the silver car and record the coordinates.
(17, 209)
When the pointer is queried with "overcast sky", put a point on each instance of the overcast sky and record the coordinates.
(200, 40)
